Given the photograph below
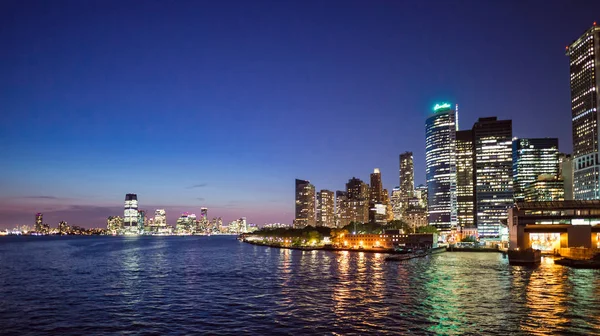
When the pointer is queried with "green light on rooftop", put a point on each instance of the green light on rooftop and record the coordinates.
(443, 106)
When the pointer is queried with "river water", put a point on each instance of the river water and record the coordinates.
(217, 285)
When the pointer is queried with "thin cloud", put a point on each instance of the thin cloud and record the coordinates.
(201, 185)
(40, 197)
(201, 199)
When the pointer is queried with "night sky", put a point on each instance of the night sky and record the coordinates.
(224, 103)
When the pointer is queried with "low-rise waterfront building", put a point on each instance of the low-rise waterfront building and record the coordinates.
(570, 228)
(390, 239)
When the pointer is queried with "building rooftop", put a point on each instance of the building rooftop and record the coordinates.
(579, 204)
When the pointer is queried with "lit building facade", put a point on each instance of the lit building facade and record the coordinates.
(326, 208)
(584, 66)
(142, 220)
(114, 224)
(565, 173)
(492, 139)
(421, 194)
(130, 216)
(545, 188)
(38, 222)
(305, 204)
(532, 158)
(415, 217)
(185, 223)
(160, 218)
(440, 159)
(465, 192)
(357, 192)
(397, 204)
(376, 206)
(570, 228)
(63, 228)
(342, 213)
(407, 175)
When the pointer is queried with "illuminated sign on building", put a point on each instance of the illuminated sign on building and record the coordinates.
(442, 106)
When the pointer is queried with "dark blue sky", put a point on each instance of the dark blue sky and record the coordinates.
(223, 103)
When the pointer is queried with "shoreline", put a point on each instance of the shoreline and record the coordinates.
(331, 249)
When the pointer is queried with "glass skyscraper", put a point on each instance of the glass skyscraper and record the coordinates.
(492, 141)
(584, 66)
(130, 216)
(440, 157)
(532, 158)
(464, 179)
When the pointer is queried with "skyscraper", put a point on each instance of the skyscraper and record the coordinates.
(376, 192)
(532, 158)
(584, 66)
(465, 194)
(325, 208)
(357, 193)
(407, 175)
(114, 224)
(440, 158)
(141, 220)
(160, 218)
(305, 204)
(342, 217)
(130, 217)
(565, 172)
(397, 203)
(492, 139)
(377, 208)
(38, 222)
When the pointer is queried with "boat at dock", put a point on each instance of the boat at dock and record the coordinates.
(593, 263)
(415, 254)
(525, 257)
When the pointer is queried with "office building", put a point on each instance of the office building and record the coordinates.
(130, 216)
(465, 192)
(377, 213)
(389, 214)
(415, 217)
(440, 159)
(357, 193)
(342, 212)
(571, 228)
(532, 158)
(376, 191)
(544, 188)
(142, 220)
(114, 225)
(584, 66)
(325, 208)
(38, 222)
(407, 175)
(185, 223)
(565, 173)
(63, 228)
(160, 218)
(492, 140)
(397, 204)
(421, 194)
(305, 204)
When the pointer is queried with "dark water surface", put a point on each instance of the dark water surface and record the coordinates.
(217, 285)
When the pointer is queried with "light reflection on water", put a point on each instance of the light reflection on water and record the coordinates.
(217, 285)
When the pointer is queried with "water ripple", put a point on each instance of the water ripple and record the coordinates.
(216, 285)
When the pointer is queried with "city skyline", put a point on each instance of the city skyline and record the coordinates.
(242, 151)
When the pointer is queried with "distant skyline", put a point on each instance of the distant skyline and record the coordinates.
(223, 104)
